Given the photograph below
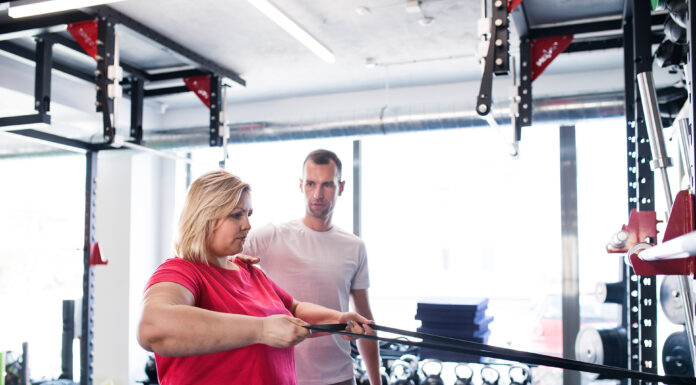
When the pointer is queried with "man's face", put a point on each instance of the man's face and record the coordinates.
(321, 187)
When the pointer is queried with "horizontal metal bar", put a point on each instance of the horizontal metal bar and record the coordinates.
(606, 43)
(41, 24)
(72, 44)
(588, 27)
(60, 140)
(682, 246)
(29, 54)
(166, 91)
(176, 74)
(21, 120)
(136, 26)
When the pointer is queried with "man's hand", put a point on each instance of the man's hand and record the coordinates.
(282, 331)
(248, 259)
(353, 321)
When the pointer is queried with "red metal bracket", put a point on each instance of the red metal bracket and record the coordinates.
(545, 49)
(200, 85)
(642, 227)
(85, 33)
(512, 4)
(95, 257)
(681, 221)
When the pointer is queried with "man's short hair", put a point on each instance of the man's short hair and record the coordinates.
(322, 156)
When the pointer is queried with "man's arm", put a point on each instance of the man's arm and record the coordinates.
(369, 349)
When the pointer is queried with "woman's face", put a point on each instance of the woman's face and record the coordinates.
(230, 232)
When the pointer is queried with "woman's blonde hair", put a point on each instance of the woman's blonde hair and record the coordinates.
(211, 197)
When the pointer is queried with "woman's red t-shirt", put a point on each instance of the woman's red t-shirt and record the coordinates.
(245, 291)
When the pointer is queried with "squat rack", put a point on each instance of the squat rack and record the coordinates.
(203, 76)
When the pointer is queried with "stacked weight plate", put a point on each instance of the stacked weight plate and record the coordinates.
(461, 318)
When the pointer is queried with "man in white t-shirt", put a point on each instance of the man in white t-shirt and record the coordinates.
(317, 262)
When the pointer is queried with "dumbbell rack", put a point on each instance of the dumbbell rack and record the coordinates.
(464, 373)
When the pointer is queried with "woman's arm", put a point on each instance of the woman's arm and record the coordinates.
(171, 325)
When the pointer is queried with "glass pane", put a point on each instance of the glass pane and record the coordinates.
(450, 213)
(42, 229)
(274, 170)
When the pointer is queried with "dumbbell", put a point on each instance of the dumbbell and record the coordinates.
(413, 362)
(464, 374)
(489, 375)
(432, 376)
(401, 373)
(519, 375)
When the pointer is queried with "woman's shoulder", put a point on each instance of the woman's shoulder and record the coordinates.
(180, 264)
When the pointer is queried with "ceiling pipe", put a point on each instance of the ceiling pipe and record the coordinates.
(550, 110)
(556, 110)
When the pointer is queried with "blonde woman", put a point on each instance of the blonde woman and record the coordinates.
(211, 318)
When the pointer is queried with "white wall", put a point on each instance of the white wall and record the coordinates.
(135, 195)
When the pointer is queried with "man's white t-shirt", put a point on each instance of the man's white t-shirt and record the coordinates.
(316, 267)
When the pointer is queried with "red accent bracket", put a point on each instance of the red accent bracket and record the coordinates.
(681, 221)
(545, 49)
(642, 227)
(512, 4)
(200, 85)
(95, 257)
(85, 33)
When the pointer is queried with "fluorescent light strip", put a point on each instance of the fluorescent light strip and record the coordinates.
(25, 8)
(293, 29)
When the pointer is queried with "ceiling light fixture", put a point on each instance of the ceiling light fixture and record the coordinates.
(25, 8)
(293, 29)
(362, 11)
(426, 21)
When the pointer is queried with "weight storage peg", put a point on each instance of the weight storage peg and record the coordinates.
(610, 292)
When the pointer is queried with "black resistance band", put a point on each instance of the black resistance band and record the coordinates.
(462, 346)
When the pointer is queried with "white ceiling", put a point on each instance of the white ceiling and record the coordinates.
(238, 36)
(277, 68)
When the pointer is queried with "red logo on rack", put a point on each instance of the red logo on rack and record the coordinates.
(85, 33)
(545, 49)
(200, 85)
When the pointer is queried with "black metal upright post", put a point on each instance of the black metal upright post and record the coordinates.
(690, 69)
(137, 102)
(628, 317)
(105, 59)
(88, 273)
(42, 78)
(215, 109)
(66, 355)
(646, 293)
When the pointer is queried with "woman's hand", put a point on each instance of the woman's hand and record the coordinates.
(353, 321)
(282, 331)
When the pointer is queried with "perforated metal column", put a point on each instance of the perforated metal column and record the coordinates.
(86, 345)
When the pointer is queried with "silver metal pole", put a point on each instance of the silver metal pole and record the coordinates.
(357, 187)
(570, 312)
(685, 137)
(224, 128)
(648, 98)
